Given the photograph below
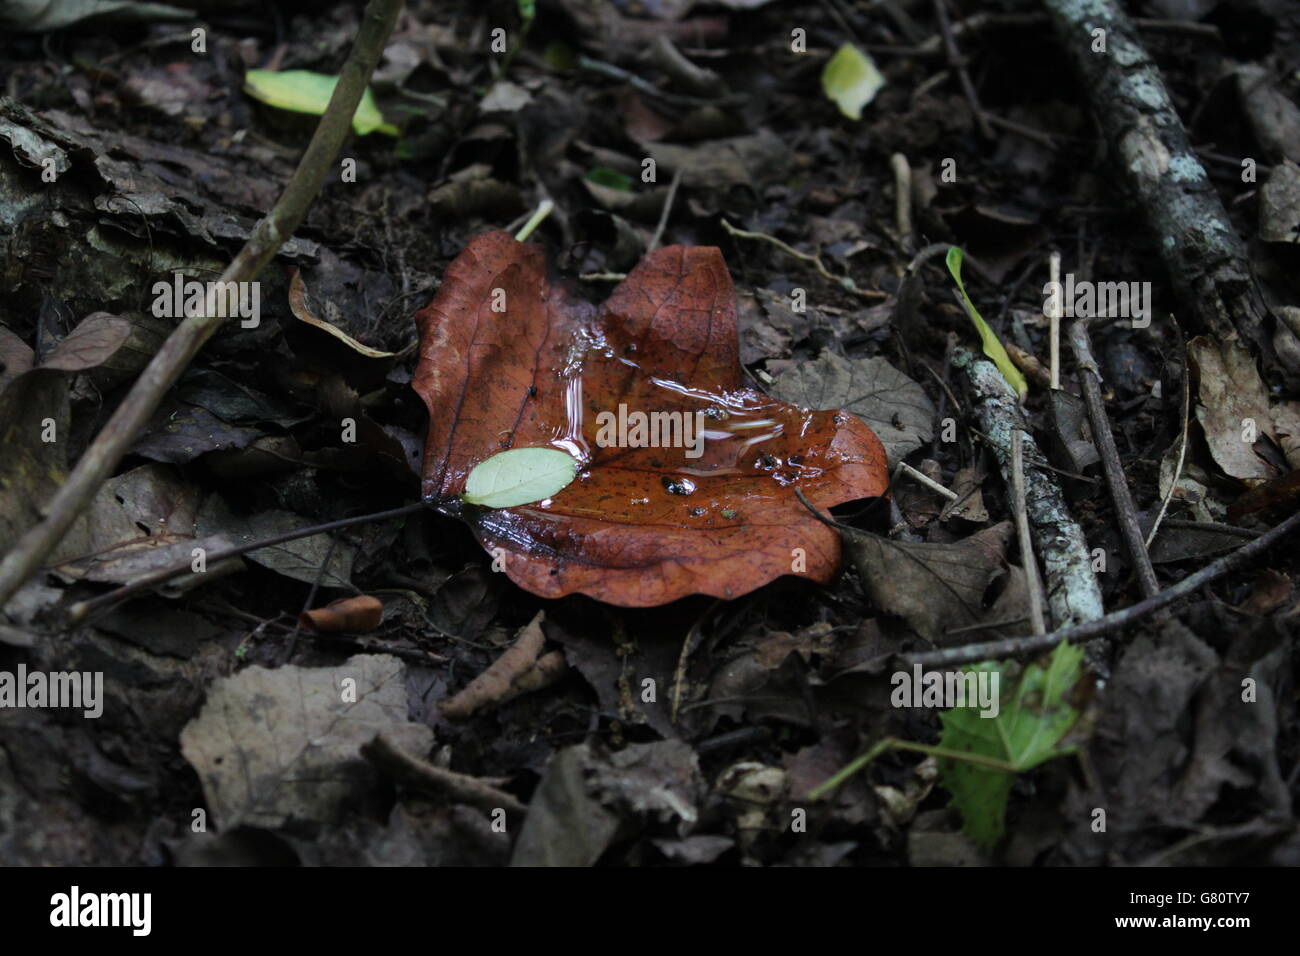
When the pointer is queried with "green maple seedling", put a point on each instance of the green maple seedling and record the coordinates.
(980, 756)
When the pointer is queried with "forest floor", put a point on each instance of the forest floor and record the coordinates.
(689, 733)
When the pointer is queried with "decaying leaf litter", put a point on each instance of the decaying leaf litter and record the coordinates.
(689, 733)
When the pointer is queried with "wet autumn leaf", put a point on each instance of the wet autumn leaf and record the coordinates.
(509, 360)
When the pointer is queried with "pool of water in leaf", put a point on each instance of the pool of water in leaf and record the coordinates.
(751, 446)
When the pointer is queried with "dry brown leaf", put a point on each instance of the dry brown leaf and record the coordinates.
(934, 587)
(298, 305)
(1232, 405)
(355, 614)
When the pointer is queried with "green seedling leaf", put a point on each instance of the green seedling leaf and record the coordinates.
(992, 347)
(527, 10)
(302, 91)
(851, 80)
(610, 178)
(519, 476)
(1033, 719)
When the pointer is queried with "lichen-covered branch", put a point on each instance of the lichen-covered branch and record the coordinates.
(1072, 591)
(1205, 258)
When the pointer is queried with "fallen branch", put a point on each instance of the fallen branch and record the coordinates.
(1072, 590)
(1205, 258)
(175, 355)
(1020, 646)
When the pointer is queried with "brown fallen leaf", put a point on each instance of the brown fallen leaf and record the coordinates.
(970, 500)
(934, 587)
(1281, 495)
(298, 305)
(896, 407)
(639, 526)
(920, 504)
(16, 357)
(522, 668)
(90, 344)
(271, 746)
(35, 416)
(1286, 420)
(355, 614)
(1028, 362)
(1232, 406)
(1269, 591)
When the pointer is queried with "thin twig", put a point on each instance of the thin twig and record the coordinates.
(992, 443)
(1216, 527)
(413, 772)
(99, 460)
(308, 604)
(1054, 319)
(843, 281)
(648, 88)
(1182, 444)
(1117, 620)
(692, 640)
(1020, 129)
(1089, 380)
(78, 611)
(958, 63)
(1027, 560)
(924, 479)
(668, 208)
(902, 198)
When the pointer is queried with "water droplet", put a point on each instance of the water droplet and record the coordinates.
(678, 486)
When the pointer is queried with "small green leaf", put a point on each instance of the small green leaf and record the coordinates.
(851, 80)
(1032, 720)
(302, 91)
(519, 476)
(992, 347)
(527, 10)
(609, 178)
